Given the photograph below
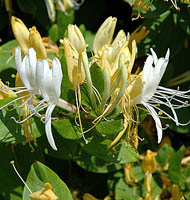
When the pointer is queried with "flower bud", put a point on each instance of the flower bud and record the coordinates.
(149, 162)
(21, 33)
(35, 41)
(75, 37)
(104, 34)
(76, 75)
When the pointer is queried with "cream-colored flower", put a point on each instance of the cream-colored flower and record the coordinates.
(74, 46)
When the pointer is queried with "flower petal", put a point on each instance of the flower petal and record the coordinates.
(157, 121)
(39, 77)
(155, 58)
(57, 76)
(21, 68)
(104, 34)
(147, 69)
(48, 126)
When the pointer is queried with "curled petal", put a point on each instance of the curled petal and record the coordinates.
(20, 68)
(155, 58)
(105, 34)
(157, 121)
(48, 126)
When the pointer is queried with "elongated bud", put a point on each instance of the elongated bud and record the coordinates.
(35, 42)
(21, 33)
(75, 37)
(76, 76)
(149, 162)
(123, 77)
(50, 9)
(105, 34)
(107, 81)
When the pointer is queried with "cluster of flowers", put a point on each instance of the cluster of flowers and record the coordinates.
(115, 57)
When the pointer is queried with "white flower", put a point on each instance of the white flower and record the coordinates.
(38, 79)
(27, 73)
(49, 81)
(152, 94)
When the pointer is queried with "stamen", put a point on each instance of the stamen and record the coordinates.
(13, 101)
(12, 163)
(20, 122)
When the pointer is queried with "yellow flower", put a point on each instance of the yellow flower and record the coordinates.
(27, 38)
(21, 33)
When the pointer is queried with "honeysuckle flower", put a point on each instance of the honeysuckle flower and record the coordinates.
(49, 82)
(72, 47)
(145, 90)
(39, 79)
(104, 34)
(104, 40)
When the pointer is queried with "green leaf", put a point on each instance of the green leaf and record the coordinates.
(6, 56)
(53, 33)
(125, 192)
(110, 127)
(39, 175)
(66, 149)
(174, 170)
(127, 154)
(98, 146)
(163, 155)
(63, 21)
(94, 164)
(65, 128)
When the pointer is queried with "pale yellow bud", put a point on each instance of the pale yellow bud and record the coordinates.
(75, 37)
(35, 41)
(76, 74)
(21, 33)
(105, 34)
(149, 162)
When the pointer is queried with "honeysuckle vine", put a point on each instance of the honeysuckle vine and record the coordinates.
(131, 91)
